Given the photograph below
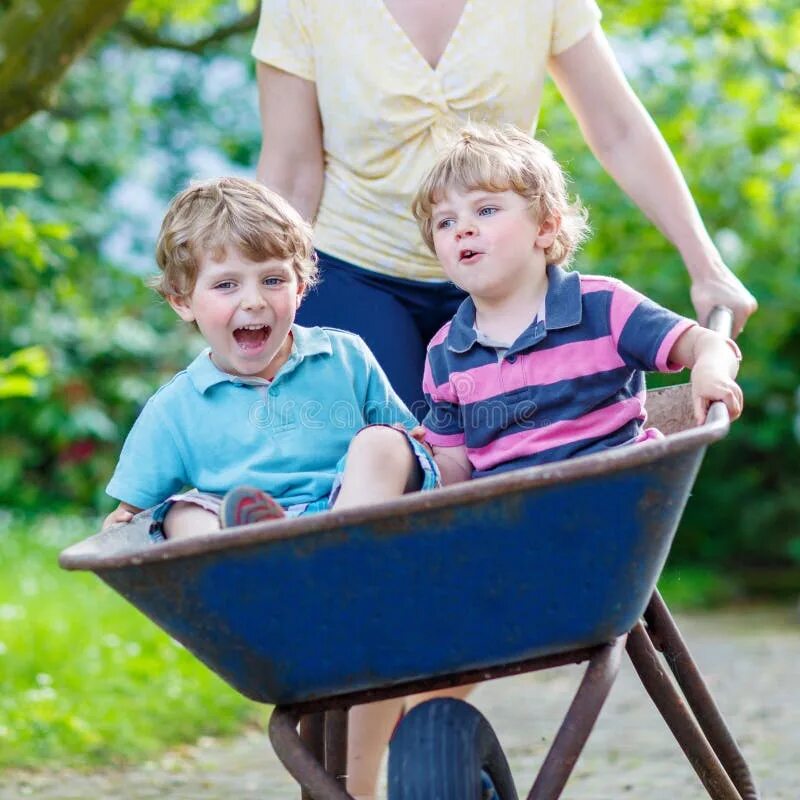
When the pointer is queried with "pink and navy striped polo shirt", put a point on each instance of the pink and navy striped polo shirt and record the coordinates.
(571, 384)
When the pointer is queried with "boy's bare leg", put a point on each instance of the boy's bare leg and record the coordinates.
(380, 466)
(186, 519)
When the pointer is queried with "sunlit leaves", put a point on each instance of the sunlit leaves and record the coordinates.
(19, 180)
(19, 371)
(193, 16)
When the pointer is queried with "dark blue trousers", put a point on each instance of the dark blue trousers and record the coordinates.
(395, 317)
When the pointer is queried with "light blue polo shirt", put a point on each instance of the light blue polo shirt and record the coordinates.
(212, 431)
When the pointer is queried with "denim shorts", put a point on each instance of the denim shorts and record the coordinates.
(428, 472)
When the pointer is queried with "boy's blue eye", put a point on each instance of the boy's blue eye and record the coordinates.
(273, 281)
(487, 211)
(224, 285)
(443, 224)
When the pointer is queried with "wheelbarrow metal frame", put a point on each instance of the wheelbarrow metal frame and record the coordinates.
(310, 739)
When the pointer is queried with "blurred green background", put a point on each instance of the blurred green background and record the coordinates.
(165, 92)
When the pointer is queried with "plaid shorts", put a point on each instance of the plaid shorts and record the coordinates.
(428, 473)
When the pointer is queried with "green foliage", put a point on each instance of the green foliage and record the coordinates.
(198, 13)
(717, 79)
(19, 371)
(690, 587)
(84, 678)
(77, 333)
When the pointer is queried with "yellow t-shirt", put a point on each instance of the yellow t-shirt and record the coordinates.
(384, 110)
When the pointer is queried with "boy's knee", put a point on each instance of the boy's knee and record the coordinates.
(380, 436)
(387, 451)
(187, 519)
(382, 444)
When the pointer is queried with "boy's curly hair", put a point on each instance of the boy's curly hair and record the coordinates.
(213, 215)
(498, 159)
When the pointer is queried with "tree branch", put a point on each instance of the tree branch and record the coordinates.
(149, 38)
(39, 41)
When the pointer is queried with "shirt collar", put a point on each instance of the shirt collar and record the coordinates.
(563, 309)
(563, 305)
(204, 373)
(462, 334)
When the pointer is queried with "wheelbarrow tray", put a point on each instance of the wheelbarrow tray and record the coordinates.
(499, 570)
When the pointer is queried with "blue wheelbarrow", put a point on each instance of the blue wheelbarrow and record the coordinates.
(528, 570)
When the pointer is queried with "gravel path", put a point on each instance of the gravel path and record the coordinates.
(750, 658)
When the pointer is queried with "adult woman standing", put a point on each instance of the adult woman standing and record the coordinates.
(356, 95)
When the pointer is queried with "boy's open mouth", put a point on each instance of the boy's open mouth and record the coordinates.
(468, 255)
(251, 337)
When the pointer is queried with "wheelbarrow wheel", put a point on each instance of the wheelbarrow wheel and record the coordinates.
(445, 749)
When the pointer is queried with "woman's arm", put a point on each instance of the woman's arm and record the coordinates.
(627, 143)
(291, 160)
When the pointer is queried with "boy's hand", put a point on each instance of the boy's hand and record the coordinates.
(417, 433)
(122, 513)
(711, 382)
(714, 361)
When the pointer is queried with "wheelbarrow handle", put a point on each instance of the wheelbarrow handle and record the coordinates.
(720, 320)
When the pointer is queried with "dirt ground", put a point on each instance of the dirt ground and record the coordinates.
(750, 658)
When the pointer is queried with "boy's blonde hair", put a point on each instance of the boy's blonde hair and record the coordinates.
(213, 215)
(497, 159)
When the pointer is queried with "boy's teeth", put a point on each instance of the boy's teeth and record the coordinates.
(251, 336)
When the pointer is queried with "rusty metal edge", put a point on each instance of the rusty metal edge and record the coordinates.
(461, 678)
(469, 492)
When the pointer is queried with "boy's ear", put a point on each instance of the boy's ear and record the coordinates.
(301, 292)
(548, 230)
(182, 306)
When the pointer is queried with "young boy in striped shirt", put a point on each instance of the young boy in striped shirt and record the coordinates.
(540, 364)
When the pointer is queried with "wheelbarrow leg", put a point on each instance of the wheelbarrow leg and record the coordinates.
(677, 716)
(303, 765)
(578, 722)
(667, 638)
(312, 734)
(336, 744)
